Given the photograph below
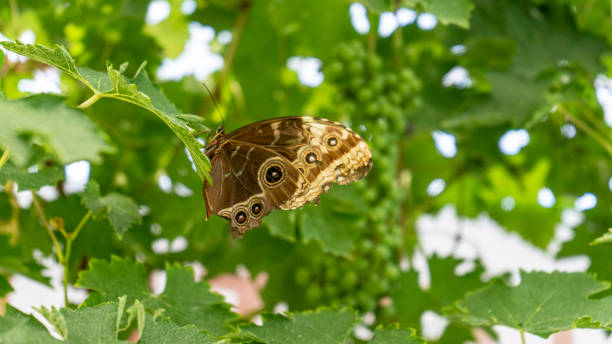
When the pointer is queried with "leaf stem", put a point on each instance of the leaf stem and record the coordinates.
(605, 144)
(230, 54)
(89, 102)
(523, 341)
(70, 237)
(43, 218)
(4, 157)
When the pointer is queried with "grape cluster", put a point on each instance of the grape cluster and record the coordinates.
(377, 101)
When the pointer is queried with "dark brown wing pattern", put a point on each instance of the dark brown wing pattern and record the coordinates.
(281, 163)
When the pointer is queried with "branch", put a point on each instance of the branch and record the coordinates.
(230, 54)
(43, 218)
(4, 157)
(605, 144)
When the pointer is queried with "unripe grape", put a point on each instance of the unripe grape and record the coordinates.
(374, 63)
(364, 95)
(334, 70)
(349, 279)
(382, 252)
(355, 68)
(302, 276)
(331, 290)
(313, 293)
(366, 245)
(332, 273)
(391, 271)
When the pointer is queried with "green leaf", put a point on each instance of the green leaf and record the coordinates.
(410, 301)
(121, 211)
(377, 6)
(98, 324)
(542, 304)
(172, 32)
(137, 90)
(394, 334)
(206, 310)
(281, 224)
(526, 212)
(321, 326)
(448, 11)
(335, 223)
(166, 332)
(66, 133)
(604, 239)
(30, 181)
(19, 328)
(5, 286)
(2, 95)
(16, 259)
(599, 255)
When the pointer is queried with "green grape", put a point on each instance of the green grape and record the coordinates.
(391, 271)
(331, 290)
(357, 83)
(302, 276)
(332, 273)
(334, 70)
(313, 293)
(382, 252)
(349, 280)
(355, 68)
(374, 63)
(366, 245)
(364, 95)
(362, 264)
(365, 300)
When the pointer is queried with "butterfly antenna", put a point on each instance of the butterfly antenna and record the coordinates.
(212, 97)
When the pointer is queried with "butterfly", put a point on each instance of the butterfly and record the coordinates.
(280, 163)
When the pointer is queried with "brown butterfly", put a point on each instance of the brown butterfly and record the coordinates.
(279, 163)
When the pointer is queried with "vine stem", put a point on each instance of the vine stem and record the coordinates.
(523, 341)
(230, 54)
(90, 101)
(43, 218)
(4, 157)
(70, 237)
(605, 144)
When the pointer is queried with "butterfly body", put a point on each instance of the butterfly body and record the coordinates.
(280, 163)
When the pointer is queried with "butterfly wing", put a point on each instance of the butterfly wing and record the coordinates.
(249, 181)
(281, 163)
(323, 151)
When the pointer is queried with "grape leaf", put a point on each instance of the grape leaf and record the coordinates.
(281, 224)
(172, 32)
(5, 286)
(30, 181)
(394, 334)
(65, 132)
(121, 211)
(87, 324)
(377, 6)
(166, 332)
(18, 328)
(206, 310)
(604, 239)
(335, 224)
(410, 301)
(448, 11)
(321, 326)
(2, 95)
(16, 259)
(137, 90)
(542, 304)
(598, 254)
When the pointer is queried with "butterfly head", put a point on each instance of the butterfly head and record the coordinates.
(216, 141)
